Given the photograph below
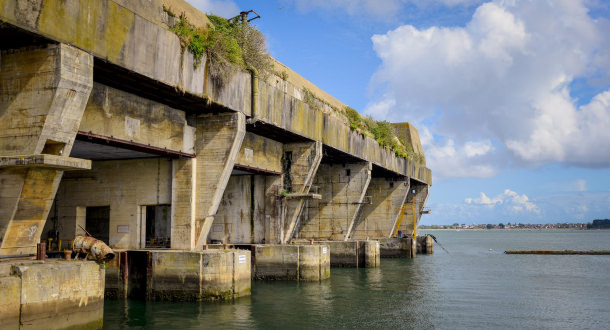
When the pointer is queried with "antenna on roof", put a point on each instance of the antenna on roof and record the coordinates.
(244, 16)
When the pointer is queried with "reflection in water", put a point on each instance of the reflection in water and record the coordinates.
(472, 287)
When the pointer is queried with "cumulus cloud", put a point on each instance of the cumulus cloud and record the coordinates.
(222, 8)
(504, 77)
(511, 200)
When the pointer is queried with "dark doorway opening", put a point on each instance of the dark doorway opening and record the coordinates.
(97, 222)
(158, 226)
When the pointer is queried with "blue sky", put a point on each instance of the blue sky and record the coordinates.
(511, 97)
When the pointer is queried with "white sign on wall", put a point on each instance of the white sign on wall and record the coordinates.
(123, 229)
(242, 259)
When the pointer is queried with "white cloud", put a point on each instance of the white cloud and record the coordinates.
(511, 200)
(504, 77)
(484, 200)
(222, 8)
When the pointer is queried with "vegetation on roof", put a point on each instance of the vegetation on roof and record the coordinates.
(227, 44)
(231, 44)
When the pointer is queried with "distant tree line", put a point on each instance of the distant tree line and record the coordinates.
(599, 224)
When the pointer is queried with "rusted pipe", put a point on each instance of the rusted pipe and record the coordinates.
(93, 247)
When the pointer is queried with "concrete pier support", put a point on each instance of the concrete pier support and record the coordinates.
(179, 275)
(291, 262)
(300, 165)
(43, 95)
(378, 219)
(54, 294)
(343, 189)
(353, 254)
(397, 248)
(199, 183)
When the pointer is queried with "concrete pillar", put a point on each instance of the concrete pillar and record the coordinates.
(343, 188)
(184, 182)
(378, 219)
(301, 161)
(43, 93)
(273, 210)
(217, 143)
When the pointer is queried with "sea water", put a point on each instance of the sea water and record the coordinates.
(474, 286)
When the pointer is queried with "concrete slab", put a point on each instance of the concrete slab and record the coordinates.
(49, 161)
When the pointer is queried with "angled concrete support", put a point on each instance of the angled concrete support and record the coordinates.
(219, 138)
(418, 194)
(343, 188)
(301, 162)
(378, 219)
(43, 93)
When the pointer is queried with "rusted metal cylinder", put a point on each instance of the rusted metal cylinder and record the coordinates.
(41, 251)
(93, 247)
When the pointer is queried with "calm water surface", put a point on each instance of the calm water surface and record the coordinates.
(474, 286)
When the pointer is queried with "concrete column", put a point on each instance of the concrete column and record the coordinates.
(299, 172)
(273, 210)
(343, 189)
(43, 93)
(378, 219)
(184, 182)
(219, 138)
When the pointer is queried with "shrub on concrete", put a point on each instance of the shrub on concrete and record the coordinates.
(228, 44)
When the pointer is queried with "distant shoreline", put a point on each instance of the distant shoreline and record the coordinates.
(498, 229)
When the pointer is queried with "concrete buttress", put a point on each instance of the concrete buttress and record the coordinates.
(378, 219)
(418, 194)
(301, 162)
(43, 95)
(343, 188)
(218, 141)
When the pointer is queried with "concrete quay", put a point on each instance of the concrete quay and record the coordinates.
(209, 275)
(51, 294)
(352, 254)
(291, 262)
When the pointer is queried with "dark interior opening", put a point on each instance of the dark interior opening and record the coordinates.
(97, 222)
(158, 226)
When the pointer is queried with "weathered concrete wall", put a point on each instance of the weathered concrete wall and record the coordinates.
(111, 112)
(125, 186)
(342, 188)
(260, 153)
(425, 244)
(196, 276)
(136, 41)
(43, 93)
(291, 262)
(353, 254)
(291, 113)
(408, 133)
(378, 219)
(301, 168)
(217, 146)
(51, 295)
(397, 248)
(179, 275)
(414, 204)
